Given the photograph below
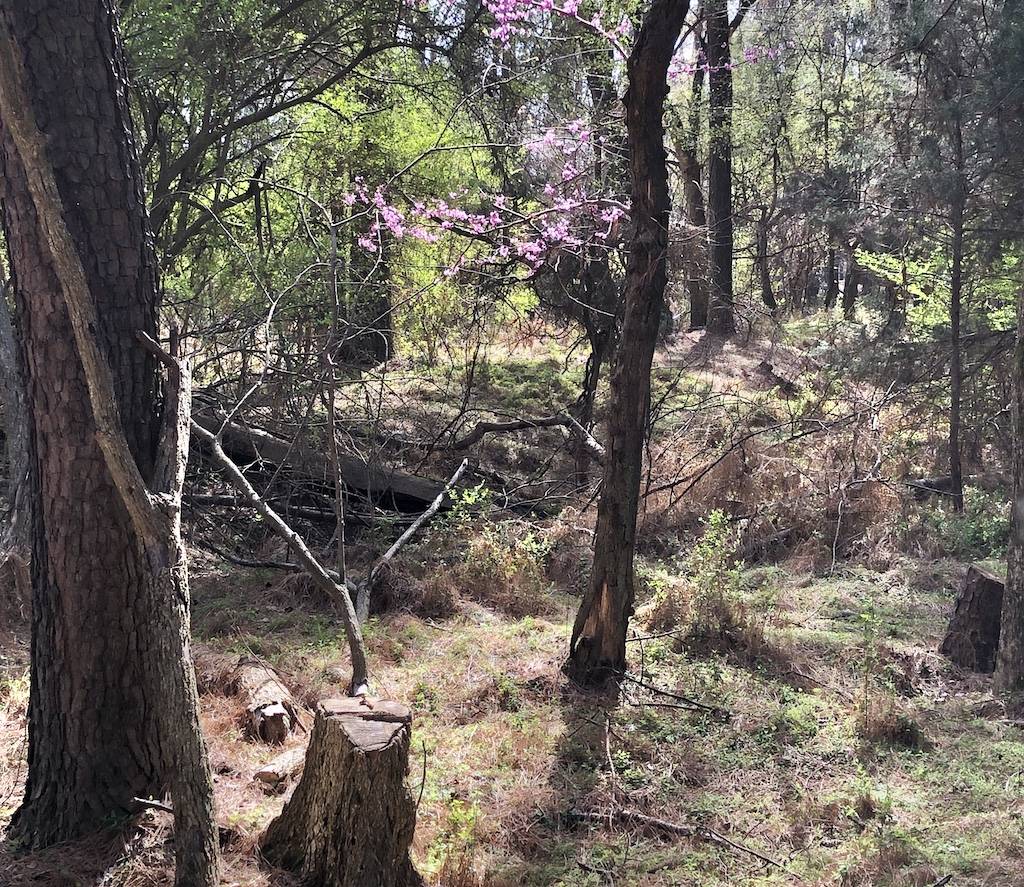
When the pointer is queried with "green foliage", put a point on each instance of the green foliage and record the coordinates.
(982, 531)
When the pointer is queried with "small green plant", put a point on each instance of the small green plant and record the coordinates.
(509, 697)
(982, 531)
(465, 503)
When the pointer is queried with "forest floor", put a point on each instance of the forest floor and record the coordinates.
(842, 747)
(815, 766)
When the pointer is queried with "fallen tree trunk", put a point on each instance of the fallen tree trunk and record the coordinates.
(277, 773)
(270, 712)
(246, 444)
(351, 819)
(972, 638)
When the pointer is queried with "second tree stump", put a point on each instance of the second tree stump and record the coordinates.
(972, 638)
(351, 819)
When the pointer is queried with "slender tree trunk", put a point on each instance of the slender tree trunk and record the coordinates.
(598, 644)
(1009, 673)
(113, 709)
(767, 296)
(693, 201)
(851, 287)
(831, 279)
(956, 284)
(16, 541)
(721, 319)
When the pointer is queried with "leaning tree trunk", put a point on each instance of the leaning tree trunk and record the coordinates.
(598, 643)
(1010, 658)
(351, 819)
(109, 574)
(721, 318)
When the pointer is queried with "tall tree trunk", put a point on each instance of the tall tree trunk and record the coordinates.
(831, 279)
(598, 644)
(956, 284)
(113, 711)
(693, 203)
(764, 272)
(721, 318)
(851, 287)
(1009, 673)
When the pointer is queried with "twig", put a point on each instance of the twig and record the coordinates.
(366, 587)
(692, 703)
(423, 779)
(152, 804)
(685, 830)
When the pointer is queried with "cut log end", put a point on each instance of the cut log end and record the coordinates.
(972, 638)
(270, 713)
(351, 819)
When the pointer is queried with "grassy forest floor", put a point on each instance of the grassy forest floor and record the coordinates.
(850, 752)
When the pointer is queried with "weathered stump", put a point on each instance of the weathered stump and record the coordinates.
(351, 819)
(972, 638)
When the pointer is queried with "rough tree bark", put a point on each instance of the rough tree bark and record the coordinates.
(721, 317)
(109, 573)
(598, 643)
(1009, 673)
(351, 819)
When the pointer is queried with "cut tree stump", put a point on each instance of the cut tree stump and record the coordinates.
(972, 638)
(270, 712)
(351, 819)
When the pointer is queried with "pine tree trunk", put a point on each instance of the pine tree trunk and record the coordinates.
(351, 819)
(832, 279)
(851, 288)
(598, 644)
(1010, 658)
(721, 319)
(112, 708)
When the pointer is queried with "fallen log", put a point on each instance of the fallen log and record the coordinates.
(351, 818)
(972, 638)
(270, 712)
(246, 444)
(281, 770)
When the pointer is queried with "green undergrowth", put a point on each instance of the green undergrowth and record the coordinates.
(851, 754)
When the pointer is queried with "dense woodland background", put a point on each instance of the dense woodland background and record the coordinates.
(612, 406)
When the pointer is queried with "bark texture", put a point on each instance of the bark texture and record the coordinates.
(112, 709)
(972, 638)
(598, 643)
(721, 317)
(351, 819)
(1010, 660)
